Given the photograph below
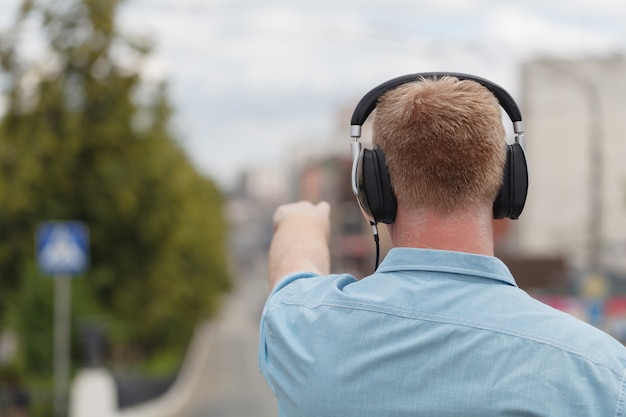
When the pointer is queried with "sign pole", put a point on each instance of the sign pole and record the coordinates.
(62, 252)
(62, 297)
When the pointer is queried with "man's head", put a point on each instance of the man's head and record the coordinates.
(443, 142)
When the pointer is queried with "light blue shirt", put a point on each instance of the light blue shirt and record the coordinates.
(437, 334)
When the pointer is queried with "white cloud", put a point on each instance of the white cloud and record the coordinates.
(604, 10)
(530, 32)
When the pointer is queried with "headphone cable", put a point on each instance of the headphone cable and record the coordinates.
(377, 242)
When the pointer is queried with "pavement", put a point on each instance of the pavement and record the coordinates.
(230, 383)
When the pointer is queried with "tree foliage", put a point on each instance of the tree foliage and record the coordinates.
(84, 137)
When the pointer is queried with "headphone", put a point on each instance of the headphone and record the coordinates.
(370, 178)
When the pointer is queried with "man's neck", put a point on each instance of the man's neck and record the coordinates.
(465, 231)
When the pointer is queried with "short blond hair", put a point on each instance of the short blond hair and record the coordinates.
(444, 143)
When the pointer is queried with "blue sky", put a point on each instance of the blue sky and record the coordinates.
(250, 79)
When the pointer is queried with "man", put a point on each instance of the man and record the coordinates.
(440, 328)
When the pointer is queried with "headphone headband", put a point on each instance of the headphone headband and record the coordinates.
(368, 103)
(370, 182)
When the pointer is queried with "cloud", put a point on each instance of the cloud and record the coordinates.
(599, 10)
(249, 79)
(250, 82)
(530, 32)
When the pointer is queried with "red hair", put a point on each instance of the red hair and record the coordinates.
(443, 141)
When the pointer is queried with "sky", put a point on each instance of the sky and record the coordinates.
(252, 79)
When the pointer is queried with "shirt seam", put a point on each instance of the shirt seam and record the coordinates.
(620, 401)
(439, 318)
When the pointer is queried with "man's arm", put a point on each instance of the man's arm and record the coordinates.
(300, 242)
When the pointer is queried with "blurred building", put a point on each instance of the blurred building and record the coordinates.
(321, 170)
(314, 170)
(576, 208)
(575, 215)
(249, 209)
(352, 242)
(574, 223)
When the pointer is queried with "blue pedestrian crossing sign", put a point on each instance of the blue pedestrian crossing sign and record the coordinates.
(62, 247)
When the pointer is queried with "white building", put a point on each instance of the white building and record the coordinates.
(575, 118)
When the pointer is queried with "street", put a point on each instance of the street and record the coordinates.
(231, 384)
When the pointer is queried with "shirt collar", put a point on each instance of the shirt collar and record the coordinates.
(417, 259)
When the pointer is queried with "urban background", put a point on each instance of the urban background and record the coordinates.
(154, 310)
(570, 242)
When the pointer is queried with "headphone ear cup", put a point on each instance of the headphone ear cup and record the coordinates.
(512, 196)
(377, 198)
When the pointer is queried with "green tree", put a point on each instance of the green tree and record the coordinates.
(83, 137)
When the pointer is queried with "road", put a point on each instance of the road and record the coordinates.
(231, 384)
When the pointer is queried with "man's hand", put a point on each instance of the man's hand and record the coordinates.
(301, 237)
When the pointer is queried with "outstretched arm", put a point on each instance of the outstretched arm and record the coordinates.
(300, 242)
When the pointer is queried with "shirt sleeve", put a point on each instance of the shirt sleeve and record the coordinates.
(265, 365)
